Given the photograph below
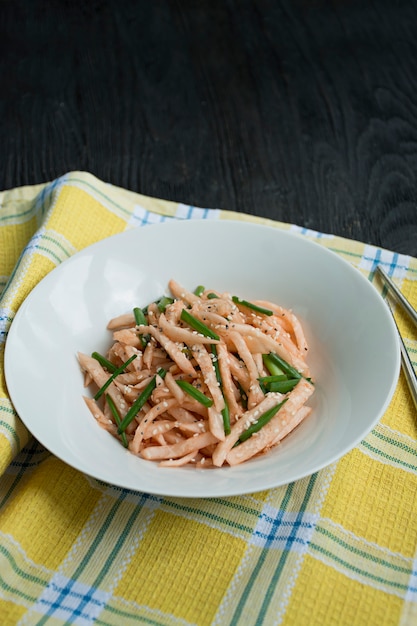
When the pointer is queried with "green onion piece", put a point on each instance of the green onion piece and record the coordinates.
(139, 402)
(243, 396)
(116, 418)
(271, 366)
(161, 303)
(141, 320)
(164, 302)
(272, 379)
(197, 325)
(264, 419)
(283, 386)
(110, 367)
(225, 412)
(285, 367)
(212, 295)
(250, 305)
(116, 372)
(226, 418)
(198, 291)
(194, 393)
(263, 387)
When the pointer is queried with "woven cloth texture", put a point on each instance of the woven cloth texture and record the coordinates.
(336, 548)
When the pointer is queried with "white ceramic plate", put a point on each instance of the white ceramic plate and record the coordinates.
(354, 355)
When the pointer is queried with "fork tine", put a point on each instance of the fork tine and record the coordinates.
(398, 295)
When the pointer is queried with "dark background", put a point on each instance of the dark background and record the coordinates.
(301, 111)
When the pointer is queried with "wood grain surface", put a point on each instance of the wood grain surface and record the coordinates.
(301, 111)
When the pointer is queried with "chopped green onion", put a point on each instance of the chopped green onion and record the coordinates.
(110, 367)
(283, 386)
(212, 295)
(215, 362)
(243, 396)
(161, 303)
(141, 320)
(198, 291)
(116, 372)
(264, 419)
(194, 393)
(140, 401)
(197, 325)
(285, 367)
(225, 412)
(263, 387)
(271, 366)
(226, 418)
(272, 379)
(250, 305)
(116, 418)
(164, 302)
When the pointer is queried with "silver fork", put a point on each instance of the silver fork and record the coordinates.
(407, 366)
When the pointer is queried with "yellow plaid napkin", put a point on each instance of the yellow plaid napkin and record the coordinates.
(337, 548)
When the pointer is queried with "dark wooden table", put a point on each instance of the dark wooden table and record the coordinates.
(303, 111)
